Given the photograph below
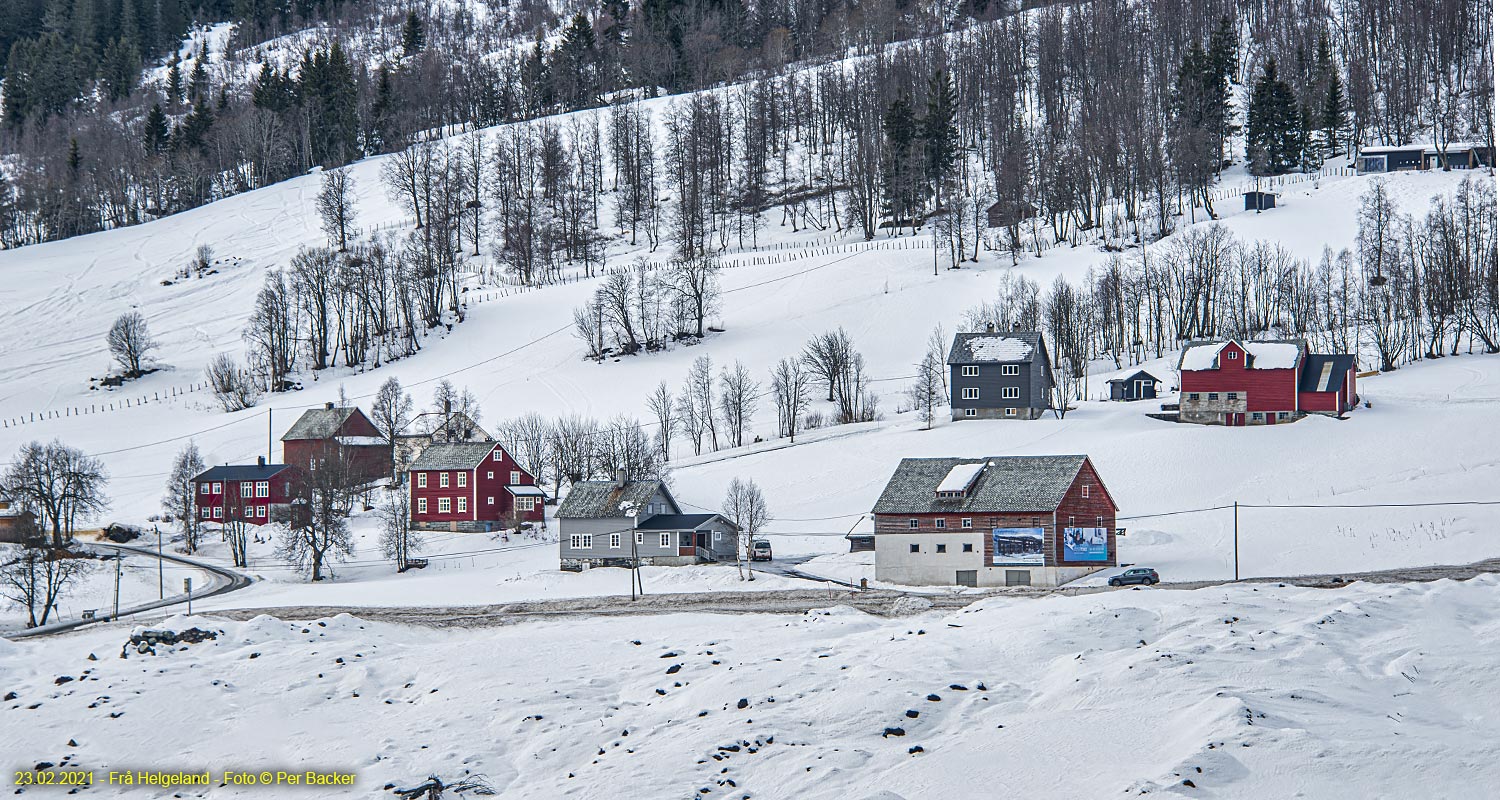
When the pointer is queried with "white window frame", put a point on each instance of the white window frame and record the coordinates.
(1257, 415)
(526, 503)
(207, 512)
(515, 477)
(1099, 521)
(969, 372)
(971, 412)
(1072, 522)
(421, 480)
(247, 489)
(445, 505)
(490, 474)
(463, 479)
(1281, 415)
(218, 488)
(1010, 393)
(1010, 369)
(262, 488)
(940, 523)
(970, 393)
(202, 488)
(1213, 395)
(913, 524)
(640, 538)
(421, 505)
(1010, 412)
(490, 501)
(614, 541)
(442, 480)
(966, 523)
(575, 542)
(1231, 395)
(463, 505)
(666, 539)
(498, 456)
(218, 512)
(1233, 355)
(1085, 490)
(1192, 395)
(588, 541)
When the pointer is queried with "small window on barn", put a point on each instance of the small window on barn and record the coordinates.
(588, 541)
(1085, 490)
(1232, 396)
(912, 523)
(971, 412)
(490, 475)
(1099, 522)
(203, 488)
(971, 393)
(421, 480)
(498, 456)
(666, 540)
(940, 523)
(968, 547)
(1192, 395)
(515, 476)
(463, 479)
(1036, 522)
(970, 372)
(491, 501)
(1010, 369)
(1233, 356)
(916, 548)
(1010, 412)
(1072, 522)
(942, 548)
(1257, 415)
(575, 542)
(966, 523)
(1213, 395)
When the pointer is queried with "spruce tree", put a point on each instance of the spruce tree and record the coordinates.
(198, 82)
(174, 83)
(1334, 115)
(413, 37)
(899, 179)
(1275, 138)
(155, 136)
(940, 132)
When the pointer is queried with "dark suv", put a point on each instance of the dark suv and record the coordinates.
(1144, 576)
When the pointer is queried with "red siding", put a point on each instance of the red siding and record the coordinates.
(484, 482)
(372, 462)
(1264, 389)
(1077, 511)
(282, 489)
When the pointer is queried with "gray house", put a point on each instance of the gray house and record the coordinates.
(596, 531)
(999, 375)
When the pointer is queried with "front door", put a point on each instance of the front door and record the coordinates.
(1234, 419)
(1270, 417)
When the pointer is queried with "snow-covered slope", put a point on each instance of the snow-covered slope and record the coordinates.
(1235, 692)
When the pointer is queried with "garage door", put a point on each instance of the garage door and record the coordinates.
(966, 577)
(1018, 577)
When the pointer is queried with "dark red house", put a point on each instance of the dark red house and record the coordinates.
(994, 521)
(256, 494)
(471, 486)
(325, 434)
(1263, 383)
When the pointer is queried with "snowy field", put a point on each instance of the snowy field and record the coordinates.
(140, 582)
(1232, 692)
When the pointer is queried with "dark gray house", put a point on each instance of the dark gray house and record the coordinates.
(999, 375)
(1140, 386)
(612, 523)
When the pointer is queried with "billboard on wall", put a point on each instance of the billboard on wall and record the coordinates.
(1085, 544)
(1018, 546)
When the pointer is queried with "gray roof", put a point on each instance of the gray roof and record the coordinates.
(319, 423)
(602, 499)
(1312, 371)
(1132, 378)
(240, 472)
(680, 522)
(964, 350)
(1007, 484)
(452, 455)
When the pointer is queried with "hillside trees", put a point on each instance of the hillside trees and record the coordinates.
(129, 341)
(62, 485)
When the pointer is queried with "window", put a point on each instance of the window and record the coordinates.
(614, 541)
(1281, 415)
(1085, 490)
(971, 393)
(489, 501)
(666, 540)
(942, 548)
(497, 455)
(940, 523)
(1192, 395)
(443, 480)
(1010, 393)
(639, 538)
(205, 512)
(970, 372)
(588, 541)
(1072, 523)
(575, 542)
(1010, 412)
(1036, 522)
(445, 505)
(203, 488)
(515, 476)
(966, 523)
(913, 524)
(916, 548)
(490, 475)
(421, 480)
(218, 487)
(463, 505)
(463, 479)
(218, 512)
(1010, 369)
(526, 503)
(1232, 396)
(1213, 395)
(260, 511)
(247, 490)
(421, 505)
(1257, 415)
(1099, 522)
(971, 412)
(968, 547)
(1233, 356)
(262, 488)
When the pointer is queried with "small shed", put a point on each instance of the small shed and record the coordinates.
(1140, 386)
(1256, 200)
(1390, 158)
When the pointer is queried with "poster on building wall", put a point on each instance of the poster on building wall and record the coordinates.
(1085, 544)
(1018, 546)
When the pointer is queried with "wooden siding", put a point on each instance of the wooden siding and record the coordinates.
(486, 481)
(1261, 389)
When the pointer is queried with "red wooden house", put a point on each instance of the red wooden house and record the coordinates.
(997, 521)
(256, 494)
(471, 486)
(324, 434)
(1262, 383)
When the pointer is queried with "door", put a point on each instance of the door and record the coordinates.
(1018, 577)
(966, 577)
(1270, 417)
(1234, 419)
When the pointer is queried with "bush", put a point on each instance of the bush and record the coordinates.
(232, 386)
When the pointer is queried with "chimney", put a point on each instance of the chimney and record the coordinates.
(328, 405)
(620, 478)
(260, 461)
(989, 327)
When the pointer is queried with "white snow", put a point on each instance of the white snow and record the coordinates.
(1248, 692)
(959, 478)
(1267, 355)
(999, 348)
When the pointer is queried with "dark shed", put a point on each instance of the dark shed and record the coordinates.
(1140, 386)
(1256, 200)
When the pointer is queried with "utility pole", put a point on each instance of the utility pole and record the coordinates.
(118, 559)
(187, 588)
(269, 446)
(1236, 541)
(161, 585)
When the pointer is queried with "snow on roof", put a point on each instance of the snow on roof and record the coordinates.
(959, 478)
(1264, 355)
(361, 441)
(999, 348)
(523, 490)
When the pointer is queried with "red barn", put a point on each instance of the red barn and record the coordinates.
(255, 494)
(1262, 383)
(327, 433)
(471, 486)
